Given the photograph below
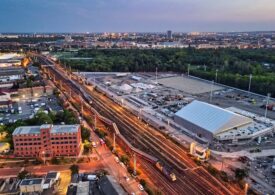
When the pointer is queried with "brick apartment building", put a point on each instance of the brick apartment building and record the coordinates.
(47, 141)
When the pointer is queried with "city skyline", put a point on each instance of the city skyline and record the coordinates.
(136, 16)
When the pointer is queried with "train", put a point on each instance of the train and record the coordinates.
(166, 170)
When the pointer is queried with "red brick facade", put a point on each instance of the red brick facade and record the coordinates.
(47, 143)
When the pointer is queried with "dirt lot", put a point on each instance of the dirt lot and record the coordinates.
(188, 85)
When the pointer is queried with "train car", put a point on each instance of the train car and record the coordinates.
(167, 171)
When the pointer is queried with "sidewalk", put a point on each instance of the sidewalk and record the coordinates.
(115, 169)
(238, 154)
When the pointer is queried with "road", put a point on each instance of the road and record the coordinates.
(43, 169)
(190, 178)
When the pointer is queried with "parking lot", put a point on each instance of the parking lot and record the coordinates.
(26, 108)
(261, 168)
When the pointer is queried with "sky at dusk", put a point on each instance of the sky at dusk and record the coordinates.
(136, 15)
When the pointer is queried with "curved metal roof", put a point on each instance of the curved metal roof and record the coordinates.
(210, 117)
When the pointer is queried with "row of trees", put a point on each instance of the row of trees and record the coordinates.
(234, 65)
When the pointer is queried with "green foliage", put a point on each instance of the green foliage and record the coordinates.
(67, 117)
(85, 133)
(234, 65)
(149, 191)
(143, 182)
(55, 161)
(130, 170)
(42, 118)
(100, 133)
(74, 169)
(125, 159)
(87, 147)
(23, 174)
(224, 176)
(212, 170)
(240, 174)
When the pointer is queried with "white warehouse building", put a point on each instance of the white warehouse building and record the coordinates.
(207, 120)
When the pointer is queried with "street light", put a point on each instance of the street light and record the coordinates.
(246, 188)
(216, 78)
(250, 78)
(211, 91)
(44, 159)
(266, 105)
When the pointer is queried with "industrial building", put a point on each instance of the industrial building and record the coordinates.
(47, 141)
(90, 186)
(207, 121)
(38, 185)
(34, 185)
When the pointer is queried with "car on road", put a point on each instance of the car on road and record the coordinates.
(116, 159)
(127, 178)
(140, 187)
(123, 165)
(94, 144)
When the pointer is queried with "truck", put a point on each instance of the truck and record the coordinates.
(167, 171)
(19, 110)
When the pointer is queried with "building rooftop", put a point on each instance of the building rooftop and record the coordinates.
(11, 71)
(52, 175)
(26, 182)
(65, 129)
(212, 118)
(25, 130)
(109, 185)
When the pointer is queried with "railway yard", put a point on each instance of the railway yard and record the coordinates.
(190, 177)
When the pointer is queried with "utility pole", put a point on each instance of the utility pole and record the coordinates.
(139, 114)
(211, 91)
(81, 108)
(95, 121)
(250, 78)
(135, 164)
(188, 70)
(156, 75)
(60, 85)
(216, 78)
(114, 143)
(266, 105)
(246, 189)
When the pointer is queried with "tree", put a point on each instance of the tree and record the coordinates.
(23, 174)
(43, 118)
(74, 169)
(85, 133)
(143, 182)
(125, 159)
(55, 161)
(240, 174)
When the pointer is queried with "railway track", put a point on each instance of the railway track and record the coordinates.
(148, 139)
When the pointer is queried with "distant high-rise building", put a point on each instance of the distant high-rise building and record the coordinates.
(169, 34)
